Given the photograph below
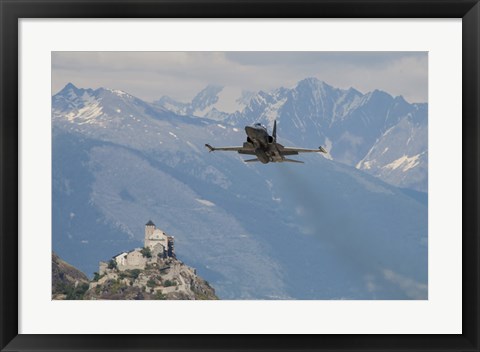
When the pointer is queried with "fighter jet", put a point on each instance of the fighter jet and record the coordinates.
(265, 147)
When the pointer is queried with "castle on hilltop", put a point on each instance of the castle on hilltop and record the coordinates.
(158, 241)
(157, 245)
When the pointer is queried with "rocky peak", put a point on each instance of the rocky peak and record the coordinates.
(162, 279)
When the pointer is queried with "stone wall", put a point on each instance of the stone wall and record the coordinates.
(121, 259)
(157, 237)
(158, 251)
(134, 260)
(102, 268)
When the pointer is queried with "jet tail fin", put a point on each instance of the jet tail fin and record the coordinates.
(274, 133)
(250, 160)
(293, 161)
(210, 148)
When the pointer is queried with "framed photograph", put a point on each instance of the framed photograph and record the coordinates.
(239, 176)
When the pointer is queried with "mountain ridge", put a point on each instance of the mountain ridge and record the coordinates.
(293, 232)
(352, 124)
(165, 279)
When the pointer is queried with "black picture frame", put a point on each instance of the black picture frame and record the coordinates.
(13, 10)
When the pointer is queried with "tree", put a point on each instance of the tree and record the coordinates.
(74, 293)
(96, 276)
(146, 252)
(135, 273)
(159, 295)
(112, 264)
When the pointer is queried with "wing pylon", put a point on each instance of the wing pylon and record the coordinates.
(232, 149)
(294, 151)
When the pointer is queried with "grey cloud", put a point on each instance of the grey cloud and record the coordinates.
(364, 59)
(182, 74)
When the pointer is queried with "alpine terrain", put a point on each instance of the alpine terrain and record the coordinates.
(351, 225)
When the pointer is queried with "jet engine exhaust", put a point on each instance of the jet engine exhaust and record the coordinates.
(262, 156)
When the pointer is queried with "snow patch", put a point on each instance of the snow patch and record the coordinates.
(119, 93)
(221, 126)
(271, 113)
(88, 113)
(173, 135)
(205, 202)
(405, 162)
(367, 165)
(410, 287)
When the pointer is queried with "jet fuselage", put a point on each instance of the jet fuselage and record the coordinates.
(264, 144)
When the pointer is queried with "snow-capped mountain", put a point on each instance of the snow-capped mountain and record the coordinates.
(356, 128)
(400, 155)
(213, 102)
(322, 230)
(103, 107)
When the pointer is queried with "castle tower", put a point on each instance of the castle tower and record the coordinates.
(149, 228)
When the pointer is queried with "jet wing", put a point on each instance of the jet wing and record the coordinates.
(246, 151)
(241, 150)
(295, 151)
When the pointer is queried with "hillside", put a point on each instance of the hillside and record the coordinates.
(67, 281)
(380, 134)
(167, 279)
(320, 230)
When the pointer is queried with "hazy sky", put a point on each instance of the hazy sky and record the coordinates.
(180, 75)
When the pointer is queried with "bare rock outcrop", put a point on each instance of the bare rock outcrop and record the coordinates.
(163, 279)
(67, 281)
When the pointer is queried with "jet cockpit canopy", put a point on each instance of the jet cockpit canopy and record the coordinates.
(258, 124)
